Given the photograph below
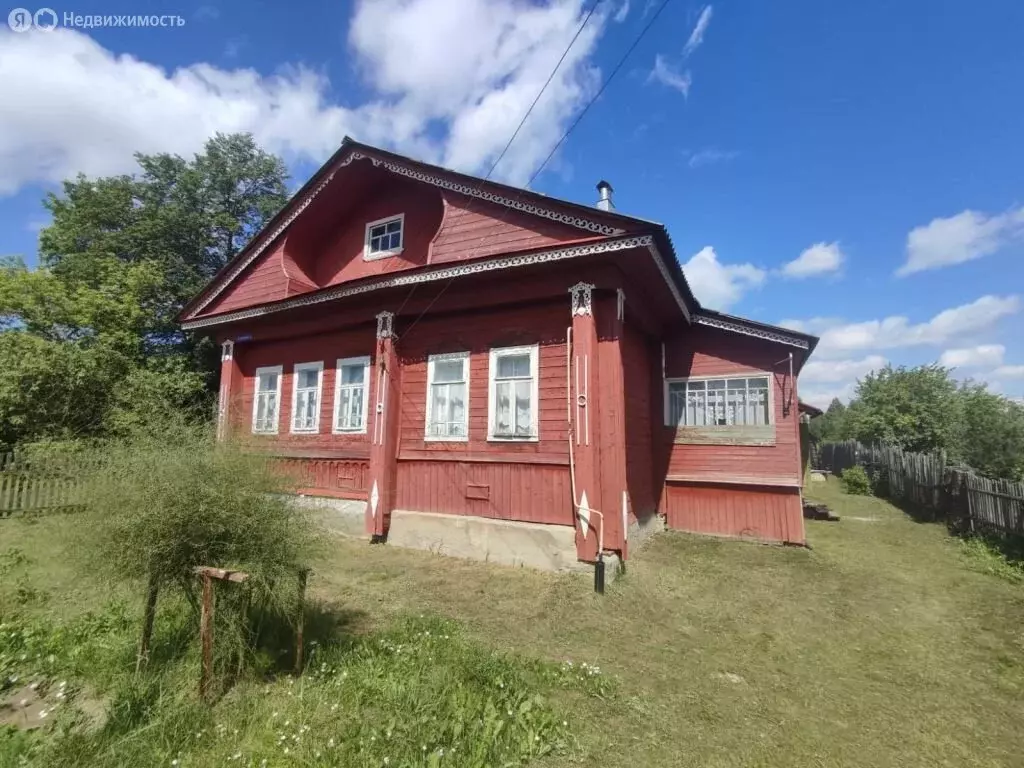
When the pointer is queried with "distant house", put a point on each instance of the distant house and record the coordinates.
(438, 345)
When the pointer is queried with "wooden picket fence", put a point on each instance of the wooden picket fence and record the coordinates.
(28, 485)
(955, 494)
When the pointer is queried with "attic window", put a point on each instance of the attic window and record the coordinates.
(384, 237)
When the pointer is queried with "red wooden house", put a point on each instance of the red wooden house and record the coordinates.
(440, 346)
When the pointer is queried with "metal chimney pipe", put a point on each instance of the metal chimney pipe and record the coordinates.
(604, 189)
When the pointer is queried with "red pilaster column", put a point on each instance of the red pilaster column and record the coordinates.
(584, 450)
(230, 396)
(384, 434)
(612, 412)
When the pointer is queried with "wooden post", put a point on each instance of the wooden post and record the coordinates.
(300, 621)
(148, 617)
(206, 636)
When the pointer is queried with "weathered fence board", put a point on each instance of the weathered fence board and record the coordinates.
(40, 484)
(927, 481)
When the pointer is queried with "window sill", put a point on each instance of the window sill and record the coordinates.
(725, 435)
(315, 431)
(382, 254)
(502, 439)
(436, 439)
(336, 431)
(264, 432)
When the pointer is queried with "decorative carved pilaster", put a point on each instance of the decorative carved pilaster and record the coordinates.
(227, 351)
(386, 325)
(581, 299)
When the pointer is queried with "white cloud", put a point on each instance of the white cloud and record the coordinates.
(822, 397)
(831, 372)
(838, 340)
(1009, 372)
(980, 356)
(819, 259)
(711, 156)
(697, 35)
(717, 285)
(72, 106)
(664, 74)
(623, 12)
(964, 237)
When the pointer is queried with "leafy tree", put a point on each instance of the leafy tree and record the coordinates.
(993, 433)
(831, 425)
(88, 340)
(915, 408)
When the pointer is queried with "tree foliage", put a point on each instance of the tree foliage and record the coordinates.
(925, 409)
(88, 339)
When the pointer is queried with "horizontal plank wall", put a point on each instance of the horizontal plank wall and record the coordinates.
(765, 514)
(507, 480)
(700, 351)
(333, 478)
(533, 493)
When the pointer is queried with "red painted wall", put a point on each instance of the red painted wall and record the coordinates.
(767, 514)
(272, 277)
(474, 228)
(707, 352)
(341, 257)
(637, 353)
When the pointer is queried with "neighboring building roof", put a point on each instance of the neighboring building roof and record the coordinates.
(611, 224)
(809, 409)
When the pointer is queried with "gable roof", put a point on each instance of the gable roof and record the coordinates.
(620, 230)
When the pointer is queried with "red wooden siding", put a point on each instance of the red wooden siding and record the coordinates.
(542, 324)
(708, 352)
(340, 259)
(339, 478)
(474, 228)
(637, 352)
(767, 514)
(326, 347)
(535, 493)
(272, 277)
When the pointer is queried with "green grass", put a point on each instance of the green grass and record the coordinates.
(888, 643)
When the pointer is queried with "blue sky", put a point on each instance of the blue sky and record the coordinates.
(853, 169)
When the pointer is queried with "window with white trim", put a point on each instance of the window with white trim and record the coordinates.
(384, 237)
(448, 397)
(307, 379)
(719, 402)
(513, 400)
(352, 376)
(266, 402)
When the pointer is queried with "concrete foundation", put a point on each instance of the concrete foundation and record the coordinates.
(640, 531)
(544, 547)
(345, 517)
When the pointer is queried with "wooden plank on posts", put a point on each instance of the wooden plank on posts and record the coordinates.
(206, 636)
(300, 621)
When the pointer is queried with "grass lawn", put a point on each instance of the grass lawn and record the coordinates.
(886, 644)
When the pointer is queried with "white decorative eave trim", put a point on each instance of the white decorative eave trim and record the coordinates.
(580, 222)
(400, 279)
(757, 333)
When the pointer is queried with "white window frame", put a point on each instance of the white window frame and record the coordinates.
(367, 256)
(431, 360)
(317, 366)
(496, 352)
(720, 377)
(260, 372)
(343, 362)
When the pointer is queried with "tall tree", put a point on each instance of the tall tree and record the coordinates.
(915, 408)
(88, 342)
(993, 433)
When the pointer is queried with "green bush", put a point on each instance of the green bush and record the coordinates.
(856, 481)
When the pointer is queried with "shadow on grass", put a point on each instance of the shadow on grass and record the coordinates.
(325, 627)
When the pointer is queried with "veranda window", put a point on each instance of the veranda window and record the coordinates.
(352, 378)
(447, 396)
(740, 401)
(266, 399)
(513, 394)
(306, 380)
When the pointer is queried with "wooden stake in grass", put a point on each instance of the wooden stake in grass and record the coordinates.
(300, 620)
(147, 624)
(208, 574)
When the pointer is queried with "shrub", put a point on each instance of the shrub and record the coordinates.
(856, 481)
